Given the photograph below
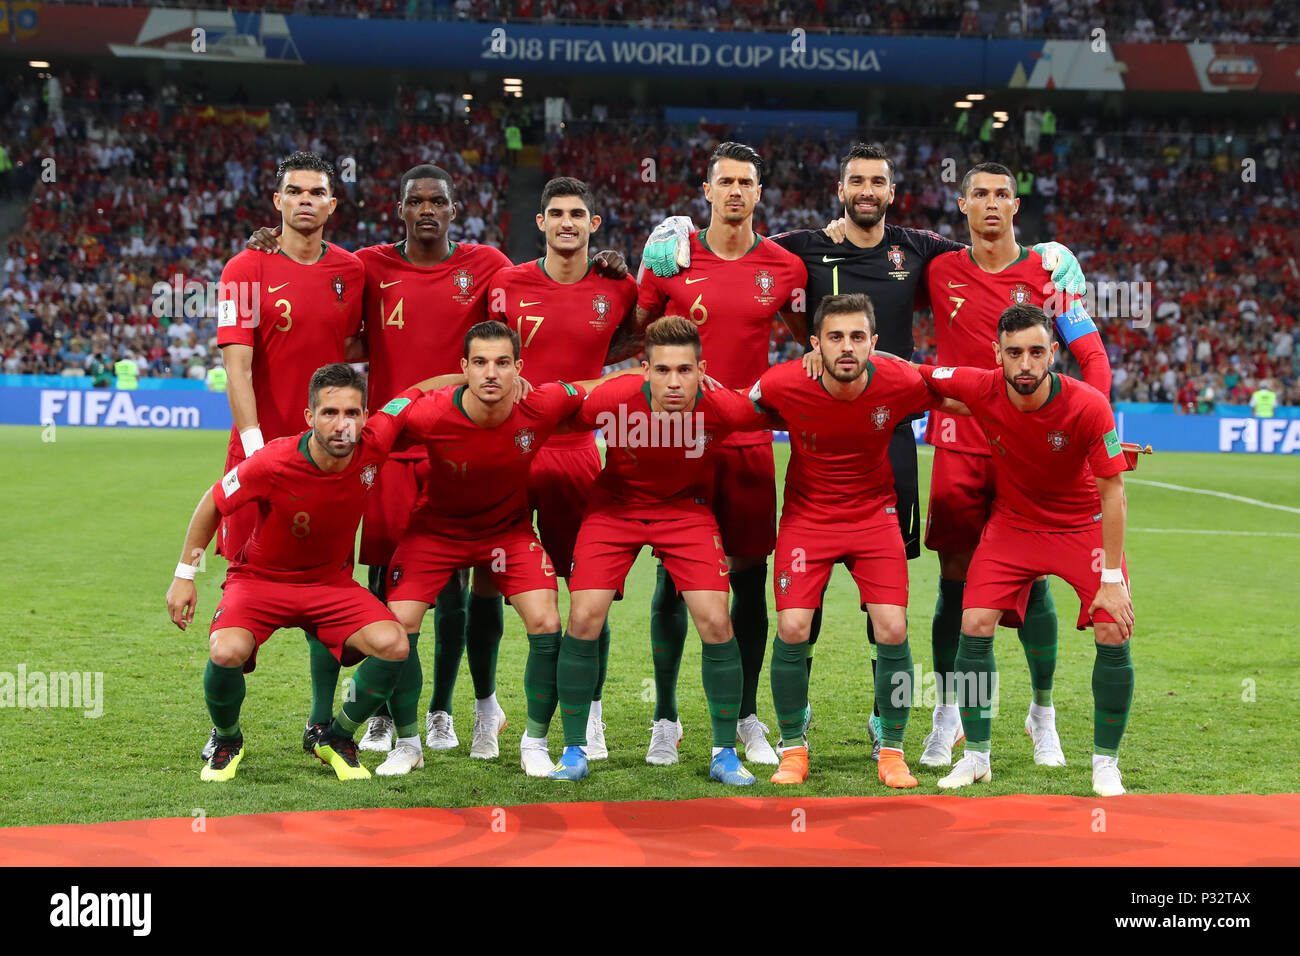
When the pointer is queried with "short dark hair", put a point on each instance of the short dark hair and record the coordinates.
(736, 151)
(307, 161)
(843, 305)
(426, 171)
(865, 151)
(1017, 318)
(568, 186)
(490, 331)
(993, 169)
(335, 375)
(672, 330)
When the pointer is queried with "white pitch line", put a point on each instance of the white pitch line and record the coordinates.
(1251, 534)
(1216, 494)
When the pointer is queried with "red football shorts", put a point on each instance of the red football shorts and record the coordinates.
(331, 611)
(688, 544)
(743, 499)
(961, 500)
(389, 507)
(424, 562)
(1008, 560)
(874, 555)
(559, 484)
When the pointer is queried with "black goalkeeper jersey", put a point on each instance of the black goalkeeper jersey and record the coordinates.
(890, 273)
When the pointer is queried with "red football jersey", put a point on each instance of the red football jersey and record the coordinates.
(307, 518)
(1044, 460)
(655, 467)
(297, 318)
(839, 473)
(967, 302)
(416, 318)
(478, 485)
(732, 301)
(564, 329)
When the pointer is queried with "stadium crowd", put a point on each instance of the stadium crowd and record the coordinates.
(1141, 21)
(1194, 259)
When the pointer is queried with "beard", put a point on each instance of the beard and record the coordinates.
(1022, 388)
(841, 374)
(864, 220)
(323, 440)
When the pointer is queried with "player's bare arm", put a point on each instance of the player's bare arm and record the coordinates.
(182, 596)
(1113, 597)
(355, 349)
(627, 341)
(238, 360)
(796, 322)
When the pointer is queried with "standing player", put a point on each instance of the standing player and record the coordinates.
(307, 496)
(738, 280)
(280, 318)
(840, 507)
(968, 290)
(862, 253)
(1058, 509)
(481, 443)
(661, 432)
(572, 321)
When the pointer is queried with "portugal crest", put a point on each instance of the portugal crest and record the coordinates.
(339, 285)
(368, 476)
(463, 282)
(880, 417)
(763, 279)
(395, 574)
(783, 582)
(220, 611)
(1020, 294)
(896, 256)
(524, 439)
(600, 306)
(1058, 441)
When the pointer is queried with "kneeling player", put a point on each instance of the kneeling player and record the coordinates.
(660, 431)
(840, 507)
(297, 568)
(1058, 506)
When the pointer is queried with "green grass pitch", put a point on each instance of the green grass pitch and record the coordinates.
(94, 520)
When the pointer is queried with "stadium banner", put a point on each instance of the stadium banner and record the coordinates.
(85, 381)
(107, 408)
(519, 48)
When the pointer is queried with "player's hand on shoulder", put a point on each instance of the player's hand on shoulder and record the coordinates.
(669, 247)
(1067, 276)
(836, 229)
(523, 388)
(710, 384)
(609, 264)
(812, 363)
(1115, 600)
(182, 598)
(265, 239)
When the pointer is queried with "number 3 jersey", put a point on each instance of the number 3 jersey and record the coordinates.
(307, 518)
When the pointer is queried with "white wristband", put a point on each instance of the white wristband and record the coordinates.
(251, 439)
(186, 571)
(1112, 576)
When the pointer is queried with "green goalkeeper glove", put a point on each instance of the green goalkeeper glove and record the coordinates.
(669, 246)
(1064, 267)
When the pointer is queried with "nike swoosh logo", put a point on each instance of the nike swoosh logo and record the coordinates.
(524, 305)
(385, 285)
(956, 285)
(567, 711)
(276, 288)
(727, 713)
(829, 259)
(705, 279)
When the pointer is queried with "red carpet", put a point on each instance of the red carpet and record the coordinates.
(1162, 830)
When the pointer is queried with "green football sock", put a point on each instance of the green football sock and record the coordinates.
(602, 648)
(223, 692)
(405, 702)
(372, 684)
(721, 671)
(977, 681)
(575, 672)
(1038, 637)
(540, 676)
(789, 675)
(945, 632)
(483, 633)
(894, 692)
(448, 642)
(324, 668)
(1112, 696)
(749, 623)
(667, 642)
